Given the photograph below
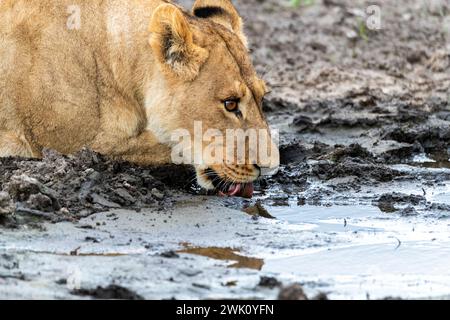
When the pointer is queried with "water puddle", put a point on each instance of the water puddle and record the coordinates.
(432, 161)
(368, 253)
(226, 254)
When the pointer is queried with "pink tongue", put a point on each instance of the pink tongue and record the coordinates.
(234, 190)
(241, 190)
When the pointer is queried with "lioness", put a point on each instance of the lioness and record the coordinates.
(120, 76)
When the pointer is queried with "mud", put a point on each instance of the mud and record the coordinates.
(292, 292)
(226, 254)
(258, 210)
(112, 292)
(361, 201)
(59, 188)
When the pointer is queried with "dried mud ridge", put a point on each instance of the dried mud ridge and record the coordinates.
(356, 101)
(59, 188)
(373, 132)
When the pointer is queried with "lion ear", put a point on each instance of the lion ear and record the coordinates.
(173, 45)
(222, 12)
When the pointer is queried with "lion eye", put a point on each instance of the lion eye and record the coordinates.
(231, 105)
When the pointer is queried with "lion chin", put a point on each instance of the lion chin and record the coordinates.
(216, 179)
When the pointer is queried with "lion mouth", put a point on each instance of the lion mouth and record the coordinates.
(244, 190)
(230, 189)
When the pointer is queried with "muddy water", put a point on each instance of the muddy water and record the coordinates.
(365, 137)
(370, 254)
(227, 254)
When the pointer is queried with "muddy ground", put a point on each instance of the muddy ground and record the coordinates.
(364, 117)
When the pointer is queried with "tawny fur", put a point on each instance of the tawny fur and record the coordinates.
(121, 83)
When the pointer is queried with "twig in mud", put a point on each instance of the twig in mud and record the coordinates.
(36, 213)
(13, 276)
(75, 252)
(399, 243)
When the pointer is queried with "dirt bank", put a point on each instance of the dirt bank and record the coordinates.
(361, 199)
(59, 188)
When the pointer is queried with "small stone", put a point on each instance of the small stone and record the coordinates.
(6, 204)
(258, 211)
(125, 195)
(104, 202)
(64, 211)
(169, 254)
(157, 194)
(321, 296)
(409, 211)
(40, 201)
(269, 282)
(292, 292)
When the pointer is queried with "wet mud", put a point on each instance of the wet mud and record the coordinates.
(112, 292)
(227, 254)
(59, 188)
(364, 121)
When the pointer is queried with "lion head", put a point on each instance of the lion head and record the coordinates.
(208, 89)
